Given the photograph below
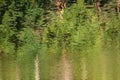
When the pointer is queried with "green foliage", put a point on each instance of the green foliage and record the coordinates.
(27, 24)
(29, 29)
(30, 43)
(14, 16)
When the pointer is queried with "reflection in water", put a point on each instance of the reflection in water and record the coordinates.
(84, 69)
(103, 66)
(37, 77)
(98, 64)
(0, 70)
(9, 70)
(66, 67)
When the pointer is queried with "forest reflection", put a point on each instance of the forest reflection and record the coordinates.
(98, 63)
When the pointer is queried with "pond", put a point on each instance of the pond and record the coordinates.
(100, 62)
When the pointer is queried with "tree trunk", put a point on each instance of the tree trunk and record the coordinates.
(60, 6)
(98, 7)
(118, 7)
